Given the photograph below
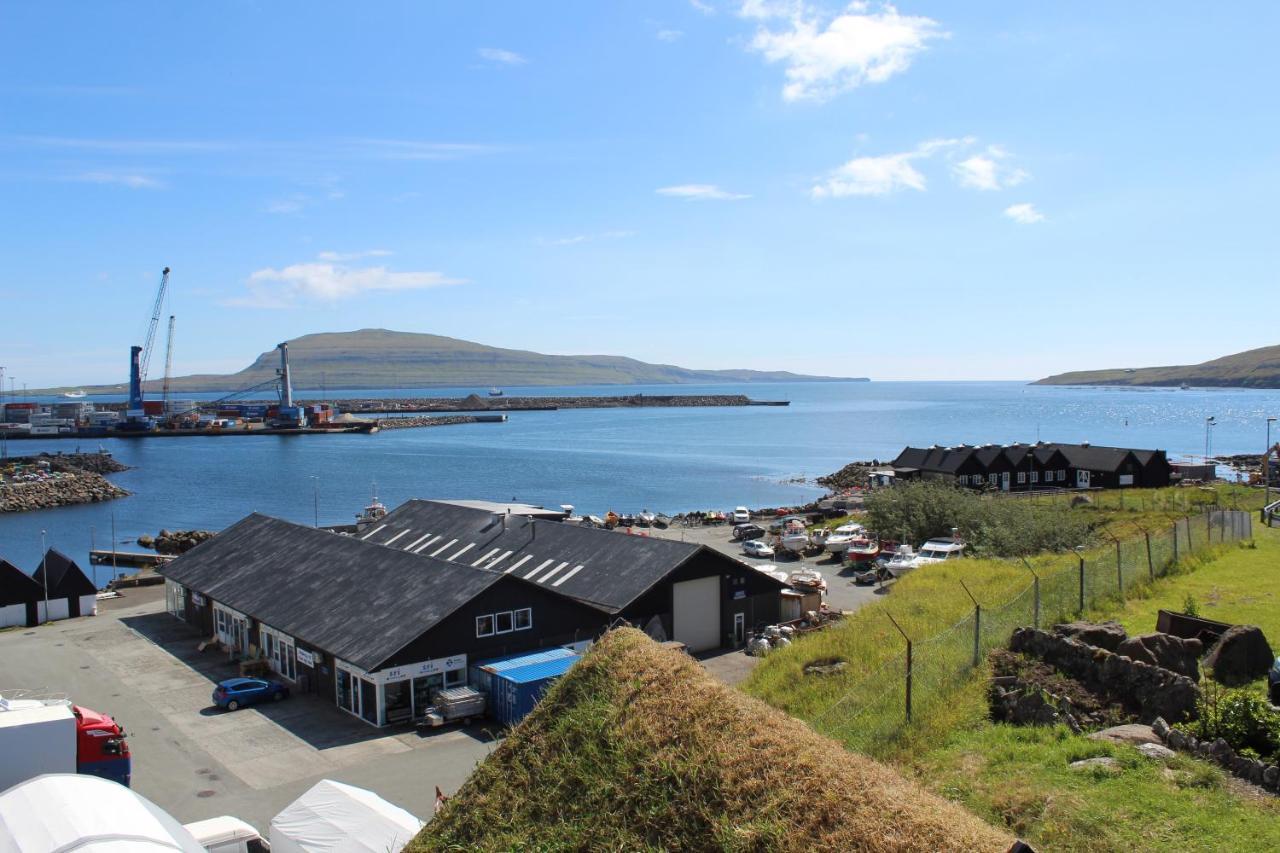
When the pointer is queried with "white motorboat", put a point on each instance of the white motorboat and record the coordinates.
(74, 395)
(840, 538)
(937, 551)
(496, 392)
(807, 579)
(902, 560)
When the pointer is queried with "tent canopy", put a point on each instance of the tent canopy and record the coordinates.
(86, 814)
(334, 816)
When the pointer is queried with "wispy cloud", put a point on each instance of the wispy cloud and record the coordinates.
(289, 204)
(669, 35)
(575, 239)
(703, 7)
(500, 56)
(328, 282)
(700, 192)
(827, 55)
(339, 257)
(989, 170)
(132, 180)
(415, 149)
(883, 174)
(1024, 214)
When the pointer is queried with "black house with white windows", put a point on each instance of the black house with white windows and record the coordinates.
(1030, 467)
(379, 620)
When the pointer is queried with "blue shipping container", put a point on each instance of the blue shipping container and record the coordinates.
(515, 684)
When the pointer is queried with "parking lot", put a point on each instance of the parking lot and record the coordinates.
(139, 664)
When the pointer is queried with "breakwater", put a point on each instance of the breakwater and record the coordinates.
(476, 403)
(62, 479)
(411, 421)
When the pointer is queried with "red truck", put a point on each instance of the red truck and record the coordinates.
(47, 734)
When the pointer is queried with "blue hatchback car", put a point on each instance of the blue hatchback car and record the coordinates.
(237, 692)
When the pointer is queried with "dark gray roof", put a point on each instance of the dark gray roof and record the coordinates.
(65, 578)
(353, 599)
(1090, 457)
(603, 568)
(16, 586)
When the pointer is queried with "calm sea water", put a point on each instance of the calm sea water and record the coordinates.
(666, 460)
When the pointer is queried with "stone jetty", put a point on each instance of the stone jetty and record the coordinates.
(410, 421)
(61, 479)
(476, 403)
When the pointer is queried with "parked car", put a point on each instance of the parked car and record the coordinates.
(741, 515)
(756, 548)
(778, 524)
(748, 531)
(235, 693)
(1273, 682)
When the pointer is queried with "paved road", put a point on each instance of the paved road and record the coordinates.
(139, 664)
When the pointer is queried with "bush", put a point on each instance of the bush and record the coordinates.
(1242, 718)
(998, 527)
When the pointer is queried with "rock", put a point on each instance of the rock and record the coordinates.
(1160, 727)
(825, 667)
(146, 541)
(1221, 751)
(1177, 739)
(1256, 769)
(1102, 762)
(1271, 776)
(1240, 655)
(1132, 734)
(1165, 650)
(1105, 635)
(1156, 752)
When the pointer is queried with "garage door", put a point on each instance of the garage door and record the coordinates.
(13, 615)
(696, 613)
(58, 609)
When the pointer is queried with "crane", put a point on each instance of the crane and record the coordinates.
(168, 366)
(140, 357)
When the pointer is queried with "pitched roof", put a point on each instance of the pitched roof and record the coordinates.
(16, 586)
(603, 568)
(354, 599)
(942, 459)
(1093, 457)
(65, 578)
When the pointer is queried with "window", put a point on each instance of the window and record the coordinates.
(502, 622)
(454, 677)
(1035, 476)
(1062, 475)
(1022, 477)
(992, 478)
(524, 619)
(484, 626)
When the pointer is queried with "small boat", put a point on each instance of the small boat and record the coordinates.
(374, 512)
(796, 541)
(645, 518)
(611, 519)
(1184, 387)
(808, 579)
(862, 550)
(496, 392)
(901, 561)
(840, 538)
(74, 395)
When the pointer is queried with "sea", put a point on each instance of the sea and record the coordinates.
(665, 460)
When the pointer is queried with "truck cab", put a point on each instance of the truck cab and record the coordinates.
(101, 748)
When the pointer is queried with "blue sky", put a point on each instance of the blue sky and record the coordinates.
(928, 190)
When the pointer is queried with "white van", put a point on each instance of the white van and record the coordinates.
(227, 834)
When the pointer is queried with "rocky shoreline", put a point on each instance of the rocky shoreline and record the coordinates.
(426, 421)
(57, 479)
(476, 403)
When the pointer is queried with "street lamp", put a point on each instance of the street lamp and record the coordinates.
(1266, 466)
(44, 574)
(1209, 423)
(315, 500)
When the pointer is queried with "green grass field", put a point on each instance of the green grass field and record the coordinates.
(1020, 777)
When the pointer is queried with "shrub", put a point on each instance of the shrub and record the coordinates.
(1242, 718)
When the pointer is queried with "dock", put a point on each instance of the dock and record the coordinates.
(133, 559)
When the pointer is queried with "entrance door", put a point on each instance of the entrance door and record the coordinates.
(739, 628)
(1082, 479)
(1004, 482)
(696, 613)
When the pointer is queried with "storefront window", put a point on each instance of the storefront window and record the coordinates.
(422, 690)
(368, 700)
(345, 694)
(455, 677)
(397, 695)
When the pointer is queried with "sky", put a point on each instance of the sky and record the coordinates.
(927, 190)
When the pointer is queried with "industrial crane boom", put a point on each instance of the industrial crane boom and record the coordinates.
(151, 328)
(168, 365)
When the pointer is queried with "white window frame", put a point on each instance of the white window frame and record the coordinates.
(1022, 478)
(993, 478)
(515, 619)
(1035, 476)
(511, 621)
(492, 625)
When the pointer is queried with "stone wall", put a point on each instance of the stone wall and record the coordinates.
(1218, 751)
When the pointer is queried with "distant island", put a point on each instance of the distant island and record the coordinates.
(379, 358)
(1256, 368)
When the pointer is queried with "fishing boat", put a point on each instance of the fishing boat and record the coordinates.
(808, 579)
(901, 561)
(795, 540)
(862, 549)
(840, 538)
(373, 513)
(496, 392)
(74, 395)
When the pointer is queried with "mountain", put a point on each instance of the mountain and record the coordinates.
(637, 747)
(1256, 368)
(379, 358)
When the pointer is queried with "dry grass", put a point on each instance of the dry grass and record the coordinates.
(637, 748)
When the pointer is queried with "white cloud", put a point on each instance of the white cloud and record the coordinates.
(825, 56)
(500, 56)
(670, 35)
(131, 180)
(704, 8)
(988, 171)
(290, 204)
(883, 174)
(321, 281)
(575, 239)
(338, 257)
(700, 192)
(1024, 214)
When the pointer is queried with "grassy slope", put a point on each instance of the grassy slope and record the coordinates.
(1019, 777)
(379, 358)
(1258, 368)
(637, 748)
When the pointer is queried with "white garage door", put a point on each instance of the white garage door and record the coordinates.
(696, 613)
(58, 609)
(13, 615)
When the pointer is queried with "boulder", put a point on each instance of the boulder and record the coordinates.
(1132, 734)
(1165, 650)
(1102, 763)
(1105, 635)
(1155, 751)
(1240, 655)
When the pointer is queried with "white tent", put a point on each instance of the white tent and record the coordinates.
(337, 817)
(86, 814)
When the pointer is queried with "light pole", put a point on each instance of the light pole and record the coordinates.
(1266, 464)
(44, 574)
(315, 500)
(1209, 423)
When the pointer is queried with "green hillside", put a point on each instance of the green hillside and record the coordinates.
(379, 358)
(638, 748)
(1256, 368)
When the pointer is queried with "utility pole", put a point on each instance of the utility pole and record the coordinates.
(315, 499)
(1208, 425)
(44, 574)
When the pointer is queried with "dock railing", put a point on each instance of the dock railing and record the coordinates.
(928, 670)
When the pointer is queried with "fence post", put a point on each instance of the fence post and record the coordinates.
(1035, 619)
(1081, 586)
(1191, 545)
(1208, 525)
(977, 626)
(909, 660)
(1119, 571)
(1151, 566)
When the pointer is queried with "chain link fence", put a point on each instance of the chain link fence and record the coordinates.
(929, 670)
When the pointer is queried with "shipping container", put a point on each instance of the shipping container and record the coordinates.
(515, 684)
(153, 407)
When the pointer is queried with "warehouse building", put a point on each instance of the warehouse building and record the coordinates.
(26, 602)
(1030, 467)
(377, 627)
